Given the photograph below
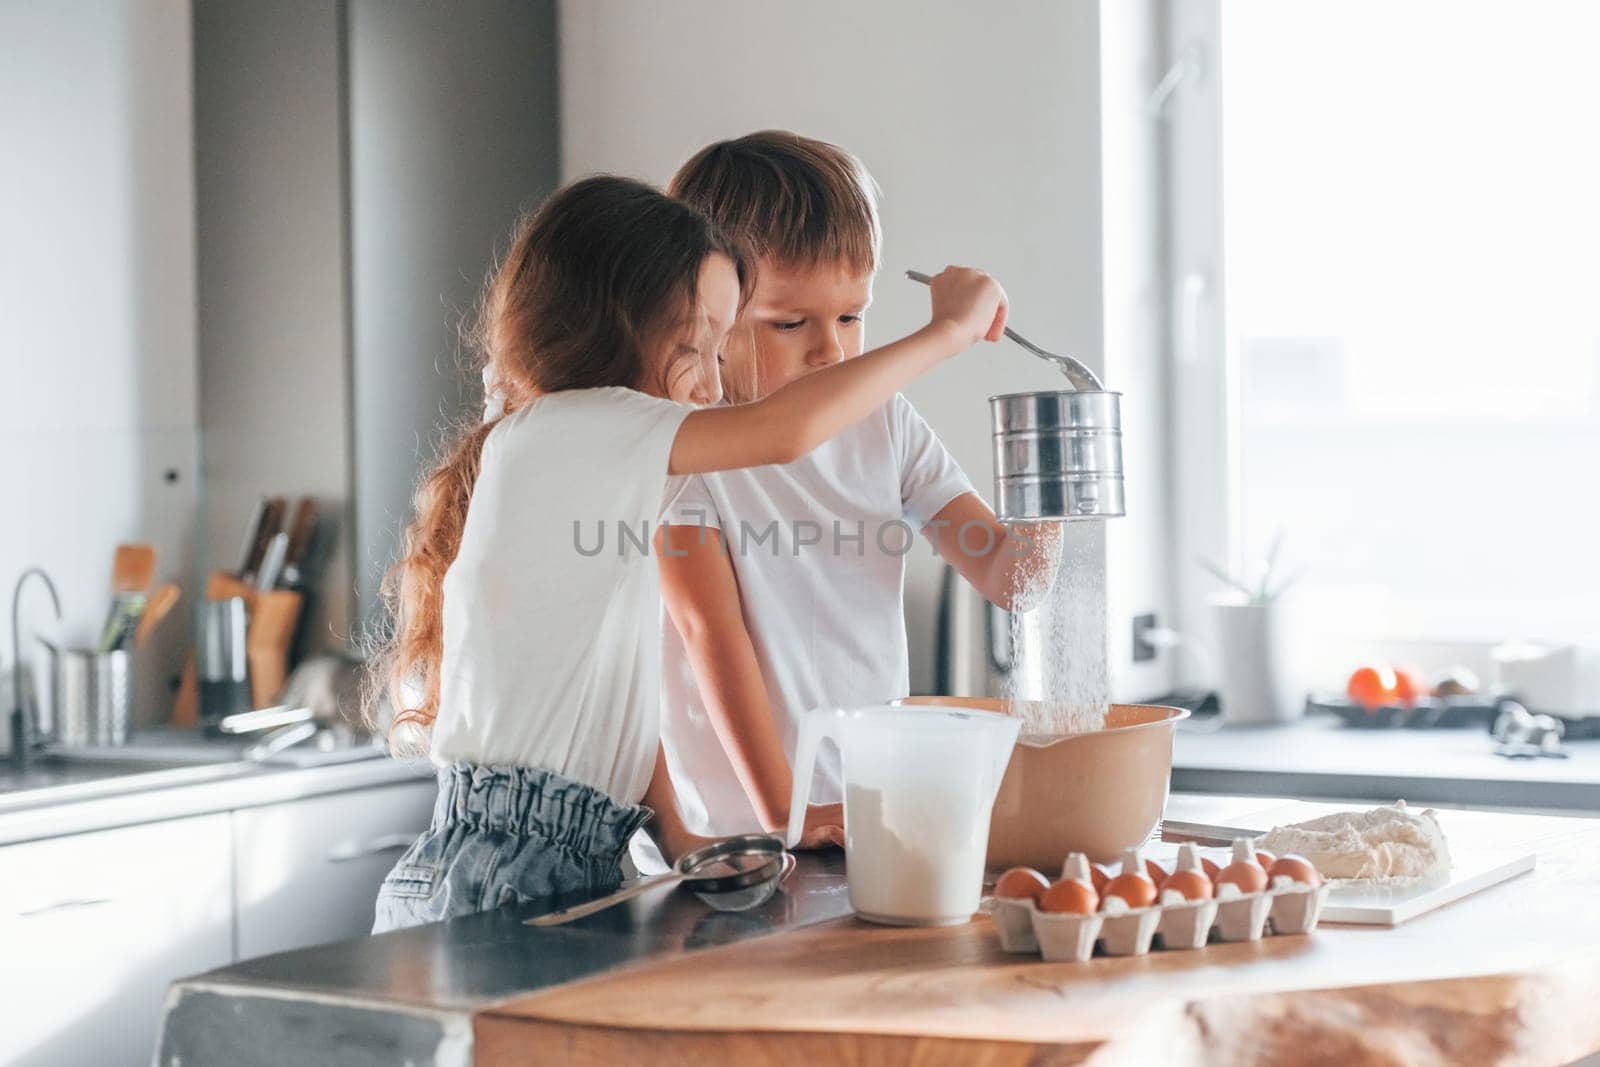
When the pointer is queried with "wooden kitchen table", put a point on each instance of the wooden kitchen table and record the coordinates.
(1510, 975)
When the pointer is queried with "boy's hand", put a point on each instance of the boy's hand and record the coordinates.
(971, 301)
(824, 827)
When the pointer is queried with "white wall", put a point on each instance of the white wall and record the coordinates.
(97, 303)
(982, 124)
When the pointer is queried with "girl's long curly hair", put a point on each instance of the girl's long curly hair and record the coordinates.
(593, 283)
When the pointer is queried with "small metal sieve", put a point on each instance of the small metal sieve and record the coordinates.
(1057, 454)
(734, 874)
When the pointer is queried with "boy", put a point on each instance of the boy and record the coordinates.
(784, 583)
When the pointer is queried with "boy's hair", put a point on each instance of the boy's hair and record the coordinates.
(794, 199)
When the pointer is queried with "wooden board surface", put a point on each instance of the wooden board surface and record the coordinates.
(1505, 976)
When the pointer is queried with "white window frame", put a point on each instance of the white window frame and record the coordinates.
(1205, 474)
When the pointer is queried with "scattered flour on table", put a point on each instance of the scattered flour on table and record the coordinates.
(1391, 843)
(1058, 645)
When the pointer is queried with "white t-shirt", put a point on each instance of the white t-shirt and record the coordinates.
(827, 619)
(552, 611)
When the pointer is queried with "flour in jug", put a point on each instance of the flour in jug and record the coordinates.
(916, 857)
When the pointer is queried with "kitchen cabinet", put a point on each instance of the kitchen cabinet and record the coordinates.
(308, 871)
(93, 928)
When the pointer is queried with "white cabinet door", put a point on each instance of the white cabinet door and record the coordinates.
(308, 871)
(95, 926)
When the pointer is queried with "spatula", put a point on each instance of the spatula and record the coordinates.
(163, 600)
(133, 569)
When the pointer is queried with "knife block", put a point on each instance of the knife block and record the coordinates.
(272, 618)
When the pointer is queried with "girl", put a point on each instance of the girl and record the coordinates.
(526, 642)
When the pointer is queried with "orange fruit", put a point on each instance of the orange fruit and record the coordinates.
(1409, 686)
(1372, 686)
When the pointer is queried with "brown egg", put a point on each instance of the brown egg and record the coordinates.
(1157, 873)
(1070, 896)
(1098, 877)
(1194, 885)
(1265, 858)
(1248, 876)
(1211, 867)
(1297, 867)
(1135, 889)
(1021, 883)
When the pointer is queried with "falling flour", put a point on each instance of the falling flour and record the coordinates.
(1058, 644)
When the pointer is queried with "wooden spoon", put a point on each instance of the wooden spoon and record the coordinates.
(133, 569)
(163, 600)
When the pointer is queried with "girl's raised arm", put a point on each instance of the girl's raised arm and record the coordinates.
(968, 306)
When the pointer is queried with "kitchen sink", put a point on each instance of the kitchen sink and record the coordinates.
(157, 758)
(55, 778)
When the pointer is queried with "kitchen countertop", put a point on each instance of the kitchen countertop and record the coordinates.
(665, 979)
(59, 804)
(411, 995)
(1319, 757)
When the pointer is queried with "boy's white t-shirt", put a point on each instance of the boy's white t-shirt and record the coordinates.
(552, 613)
(827, 619)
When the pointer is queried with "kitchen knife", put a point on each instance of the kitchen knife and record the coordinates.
(302, 532)
(1204, 833)
(252, 531)
(271, 523)
(272, 564)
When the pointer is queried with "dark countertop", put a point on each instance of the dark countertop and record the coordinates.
(409, 996)
(1320, 757)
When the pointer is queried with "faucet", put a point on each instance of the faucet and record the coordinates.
(22, 728)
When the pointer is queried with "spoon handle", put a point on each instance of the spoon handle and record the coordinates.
(1082, 378)
(578, 911)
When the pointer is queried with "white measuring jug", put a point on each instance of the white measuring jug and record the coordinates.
(919, 784)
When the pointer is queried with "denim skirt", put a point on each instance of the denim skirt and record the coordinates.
(507, 835)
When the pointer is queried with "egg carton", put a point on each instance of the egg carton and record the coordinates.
(1285, 908)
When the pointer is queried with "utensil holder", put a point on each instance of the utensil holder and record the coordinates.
(222, 657)
(271, 620)
(90, 697)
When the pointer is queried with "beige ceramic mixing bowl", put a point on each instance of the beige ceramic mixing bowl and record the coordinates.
(1097, 793)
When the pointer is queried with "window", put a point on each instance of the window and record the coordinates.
(1402, 304)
